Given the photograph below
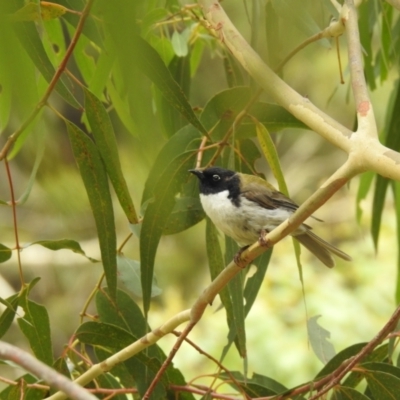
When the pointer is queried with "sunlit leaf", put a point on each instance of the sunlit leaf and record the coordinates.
(129, 276)
(318, 337)
(96, 184)
(62, 244)
(157, 214)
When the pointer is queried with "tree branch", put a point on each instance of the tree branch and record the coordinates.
(41, 370)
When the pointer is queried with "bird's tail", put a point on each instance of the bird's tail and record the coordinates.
(321, 249)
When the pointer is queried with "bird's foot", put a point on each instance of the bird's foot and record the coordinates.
(262, 239)
(239, 261)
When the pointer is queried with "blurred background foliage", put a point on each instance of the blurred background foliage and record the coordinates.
(142, 71)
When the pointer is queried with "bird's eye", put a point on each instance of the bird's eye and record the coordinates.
(216, 178)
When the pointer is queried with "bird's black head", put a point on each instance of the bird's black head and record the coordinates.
(215, 180)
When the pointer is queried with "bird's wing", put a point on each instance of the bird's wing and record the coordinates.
(267, 197)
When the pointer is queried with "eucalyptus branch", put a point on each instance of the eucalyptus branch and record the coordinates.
(41, 370)
(283, 94)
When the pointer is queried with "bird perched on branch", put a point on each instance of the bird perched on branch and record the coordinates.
(243, 206)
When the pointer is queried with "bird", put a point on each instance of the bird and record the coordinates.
(244, 206)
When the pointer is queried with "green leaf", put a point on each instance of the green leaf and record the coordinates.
(122, 109)
(216, 262)
(129, 276)
(355, 377)
(382, 367)
(106, 143)
(21, 391)
(172, 120)
(221, 110)
(297, 13)
(253, 284)
(105, 335)
(393, 142)
(39, 155)
(177, 144)
(30, 40)
(233, 73)
(367, 14)
(5, 253)
(35, 325)
(95, 180)
(62, 244)
(124, 313)
(396, 192)
(363, 189)
(345, 393)
(318, 337)
(235, 313)
(256, 386)
(342, 356)
(7, 317)
(179, 43)
(156, 217)
(151, 65)
(383, 386)
(186, 213)
(271, 155)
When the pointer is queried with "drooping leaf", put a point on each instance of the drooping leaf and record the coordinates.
(156, 217)
(255, 386)
(5, 253)
(271, 155)
(8, 315)
(177, 144)
(62, 244)
(106, 143)
(393, 142)
(216, 262)
(318, 337)
(235, 314)
(172, 119)
(129, 276)
(253, 284)
(35, 325)
(221, 110)
(95, 180)
(396, 192)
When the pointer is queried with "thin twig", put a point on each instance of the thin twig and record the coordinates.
(15, 221)
(41, 370)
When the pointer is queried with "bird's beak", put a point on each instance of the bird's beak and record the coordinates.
(197, 172)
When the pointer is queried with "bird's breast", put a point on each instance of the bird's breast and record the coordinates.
(242, 222)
